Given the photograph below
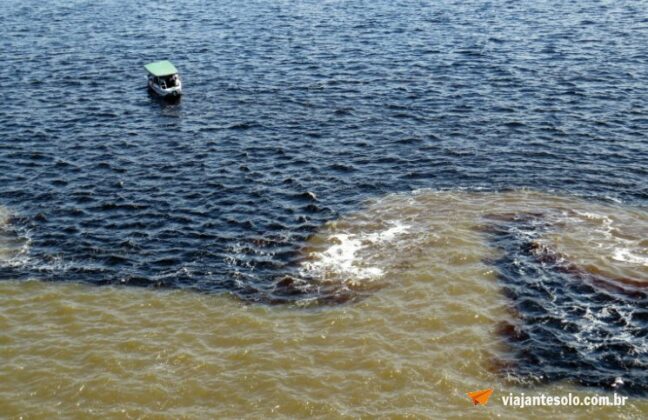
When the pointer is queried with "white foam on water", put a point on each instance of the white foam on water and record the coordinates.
(342, 259)
(389, 234)
(14, 244)
(605, 236)
(14, 249)
(627, 255)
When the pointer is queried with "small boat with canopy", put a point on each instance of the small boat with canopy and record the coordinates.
(163, 79)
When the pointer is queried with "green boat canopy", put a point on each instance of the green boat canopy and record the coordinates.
(161, 68)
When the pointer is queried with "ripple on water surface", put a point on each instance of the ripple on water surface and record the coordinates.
(453, 290)
(293, 115)
(575, 273)
(296, 114)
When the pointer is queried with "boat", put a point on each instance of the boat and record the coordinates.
(163, 79)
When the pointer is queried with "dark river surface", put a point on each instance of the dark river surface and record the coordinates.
(295, 114)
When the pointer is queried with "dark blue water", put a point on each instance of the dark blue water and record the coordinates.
(344, 100)
(568, 323)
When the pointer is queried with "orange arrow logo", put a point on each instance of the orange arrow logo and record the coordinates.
(481, 396)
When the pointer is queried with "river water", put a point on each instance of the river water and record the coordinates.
(357, 208)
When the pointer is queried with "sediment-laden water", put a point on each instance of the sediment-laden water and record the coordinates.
(445, 292)
(356, 209)
(575, 274)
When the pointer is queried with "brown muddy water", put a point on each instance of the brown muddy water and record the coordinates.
(434, 292)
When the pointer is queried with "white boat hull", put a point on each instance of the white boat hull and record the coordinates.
(171, 92)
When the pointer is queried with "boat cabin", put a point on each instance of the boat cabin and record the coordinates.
(163, 78)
